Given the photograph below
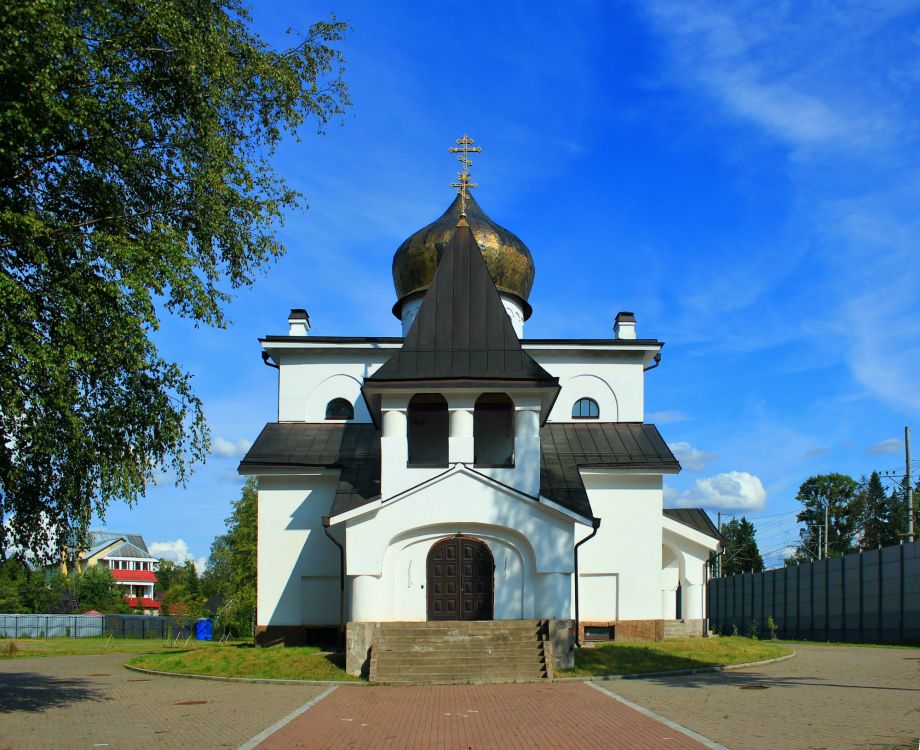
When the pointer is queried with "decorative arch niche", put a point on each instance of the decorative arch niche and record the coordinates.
(428, 430)
(493, 430)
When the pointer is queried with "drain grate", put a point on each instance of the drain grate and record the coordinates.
(188, 703)
(754, 687)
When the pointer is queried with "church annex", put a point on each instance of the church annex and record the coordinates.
(465, 472)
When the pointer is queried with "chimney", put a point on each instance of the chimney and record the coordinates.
(625, 326)
(299, 322)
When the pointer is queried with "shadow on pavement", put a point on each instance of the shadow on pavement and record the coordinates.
(747, 679)
(31, 691)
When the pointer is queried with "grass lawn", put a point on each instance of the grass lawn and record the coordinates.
(27, 648)
(682, 653)
(244, 660)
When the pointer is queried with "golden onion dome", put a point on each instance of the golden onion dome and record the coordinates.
(507, 257)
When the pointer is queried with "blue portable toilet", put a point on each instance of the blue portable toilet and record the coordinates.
(204, 630)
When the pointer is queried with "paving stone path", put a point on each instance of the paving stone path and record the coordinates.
(94, 702)
(560, 716)
(827, 697)
(836, 697)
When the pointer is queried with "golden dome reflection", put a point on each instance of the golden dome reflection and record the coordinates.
(507, 257)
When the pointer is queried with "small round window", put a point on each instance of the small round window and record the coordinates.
(340, 408)
(585, 408)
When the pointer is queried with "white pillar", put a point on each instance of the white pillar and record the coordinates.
(364, 604)
(461, 448)
(394, 452)
(691, 601)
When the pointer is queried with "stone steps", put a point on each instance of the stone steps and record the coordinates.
(459, 652)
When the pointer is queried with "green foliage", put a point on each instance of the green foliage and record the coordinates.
(741, 552)
(837, 493)
(97, 589)
(134, 181)
(182, 601)
(231, 569)
(168, 573)
(772, 627)
(27, 591)
(880, 518)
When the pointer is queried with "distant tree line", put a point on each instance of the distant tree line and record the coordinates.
(861, 515)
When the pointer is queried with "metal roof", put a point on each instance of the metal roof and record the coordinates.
(355, 450)
(696, 518)
(462, 331)
(567, 447)
(102, 537)
(352, 447)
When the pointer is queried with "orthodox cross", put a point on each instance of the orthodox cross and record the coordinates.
(463, 184)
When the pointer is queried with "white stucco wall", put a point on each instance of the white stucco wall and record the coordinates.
(615, 381)
(298, 566)
(531, 545)
(627, 546)
(307, 381)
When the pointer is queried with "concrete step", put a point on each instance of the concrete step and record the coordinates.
(401, 641)
(460, 660)
(459, 652)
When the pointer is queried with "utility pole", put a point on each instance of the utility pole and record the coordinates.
(719, 558)
(819, 542)
(827, 511)
(910, 487)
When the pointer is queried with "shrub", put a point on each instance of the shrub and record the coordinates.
(771, 626)
(753, 629)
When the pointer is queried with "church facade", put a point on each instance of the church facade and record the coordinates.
(466, 472)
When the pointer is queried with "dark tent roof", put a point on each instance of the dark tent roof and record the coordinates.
(462, 331)
(695, 518)
(355, 449)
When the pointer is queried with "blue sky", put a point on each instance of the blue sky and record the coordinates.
(744, 176)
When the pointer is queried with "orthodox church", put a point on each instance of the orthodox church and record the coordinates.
(464, 471)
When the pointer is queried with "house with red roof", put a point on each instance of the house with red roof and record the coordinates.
(131, 563)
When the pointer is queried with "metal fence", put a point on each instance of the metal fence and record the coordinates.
(86, 626)
(869, 596)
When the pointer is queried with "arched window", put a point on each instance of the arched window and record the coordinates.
(493, 430)
(428, 429)
(340, 408)
(585, 408)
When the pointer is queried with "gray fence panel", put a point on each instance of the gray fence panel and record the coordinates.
(50, 626)
(872, 596)
(911, 584)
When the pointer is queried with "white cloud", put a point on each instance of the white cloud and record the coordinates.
(814, 452)
(229, 449)
(177, 551)
(691, 458)
(733, 490)
(666, 417)
(891, 445)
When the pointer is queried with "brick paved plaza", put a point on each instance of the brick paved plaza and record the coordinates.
(826, 697)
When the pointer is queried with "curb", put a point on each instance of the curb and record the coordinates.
(678, 672)
(217, 678)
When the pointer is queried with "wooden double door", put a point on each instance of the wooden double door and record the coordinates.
(460, 580)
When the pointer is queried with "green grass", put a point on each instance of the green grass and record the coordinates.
(683, 653)
(27, 648)
(244, 660)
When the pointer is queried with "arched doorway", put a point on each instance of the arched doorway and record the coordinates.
(460, 580)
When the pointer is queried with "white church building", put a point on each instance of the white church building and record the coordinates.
(465, 472)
